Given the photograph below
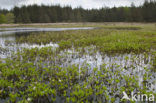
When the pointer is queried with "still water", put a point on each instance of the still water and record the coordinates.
(131, 64)
(10, 34)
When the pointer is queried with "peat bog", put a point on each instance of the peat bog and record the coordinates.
(83, 66)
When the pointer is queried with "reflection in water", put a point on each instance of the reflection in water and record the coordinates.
(21, 30)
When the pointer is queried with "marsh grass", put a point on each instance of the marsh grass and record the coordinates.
(46, 75)
(105, 40)
(122, 27)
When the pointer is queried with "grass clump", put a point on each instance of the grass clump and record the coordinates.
(105, 40)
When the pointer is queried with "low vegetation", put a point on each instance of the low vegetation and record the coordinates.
(36, 76)
(105, 40)
(48, 74)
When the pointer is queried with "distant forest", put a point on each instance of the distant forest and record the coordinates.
(52, 14)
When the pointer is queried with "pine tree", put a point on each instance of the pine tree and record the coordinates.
(2, 19)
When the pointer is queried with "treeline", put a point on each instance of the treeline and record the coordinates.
(6, 17)
(50, 14)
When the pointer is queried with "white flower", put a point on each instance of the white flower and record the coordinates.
(59, 80)
(29, 99)
(34, 88)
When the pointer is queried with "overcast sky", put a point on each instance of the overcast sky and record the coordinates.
(87, 4)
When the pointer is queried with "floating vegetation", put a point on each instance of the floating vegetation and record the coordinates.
(25, 78)
(82, 66)
(38, 75)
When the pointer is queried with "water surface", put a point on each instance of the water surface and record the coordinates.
(130, 64)
(10, 34)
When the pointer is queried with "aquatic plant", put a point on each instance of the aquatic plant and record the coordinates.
(26, 79)
(105, 40)
(72, 72)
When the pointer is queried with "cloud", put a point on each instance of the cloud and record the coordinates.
(87, 4)
(8, 4)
